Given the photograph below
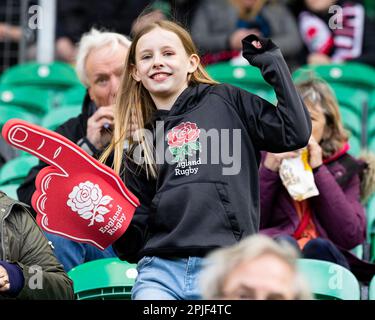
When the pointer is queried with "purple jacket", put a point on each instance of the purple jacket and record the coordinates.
(337, 212)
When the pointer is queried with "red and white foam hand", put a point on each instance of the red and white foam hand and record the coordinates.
(76, 196)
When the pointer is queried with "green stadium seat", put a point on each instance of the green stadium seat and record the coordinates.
(58, 116)
(246, 77)
(370, 215)
(371, 123)
(74, 96)
(8, 112)
(57, 75)
(10, 190)
(103, 279)
(30, 99)
(16, 170)
(329, 281)
(371, 291)
(351, 74)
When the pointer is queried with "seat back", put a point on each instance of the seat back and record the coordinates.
(329, 281)
(58, 116)
(103, 279)
(15, 171)
(245, 77)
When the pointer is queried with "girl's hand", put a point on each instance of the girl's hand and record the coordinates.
(315, 153)
(273, 160)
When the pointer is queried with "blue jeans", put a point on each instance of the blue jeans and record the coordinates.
(319, 249)
(167, 279)
(71, 253)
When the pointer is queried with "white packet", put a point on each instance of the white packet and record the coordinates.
(297, 177)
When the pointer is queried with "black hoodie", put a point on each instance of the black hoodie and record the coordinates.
(196, 205)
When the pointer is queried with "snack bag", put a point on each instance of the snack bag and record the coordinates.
(297, 177)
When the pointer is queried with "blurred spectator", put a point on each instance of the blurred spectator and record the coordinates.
(6, 152)
(11, 32)
(328, 42)
(219, 26)
(256, 268)
(326, 226)
(100, 63)
(77, 17)
(28, 267)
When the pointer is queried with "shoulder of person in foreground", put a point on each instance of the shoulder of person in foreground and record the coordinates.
(43, 276)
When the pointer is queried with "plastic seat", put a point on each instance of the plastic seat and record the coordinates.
(371, 293)
(246, 77)
(8, 112)
(74, 96)
(370, 215)
(351, 74)
(30, 99)
(371, 123)
(16, 170)
(103, 279)
(57, 75)
(58, 116)
(10, 190)
(329, 281)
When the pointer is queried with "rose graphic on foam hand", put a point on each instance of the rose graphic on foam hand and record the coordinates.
(87, 199)
(182, 140)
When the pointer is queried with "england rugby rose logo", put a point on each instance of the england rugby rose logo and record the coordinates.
(87, 200)
(182, 140)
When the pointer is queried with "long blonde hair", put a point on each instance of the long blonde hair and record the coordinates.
(134, 100)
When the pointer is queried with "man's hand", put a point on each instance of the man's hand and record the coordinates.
(318, 58)
(4, 280)
(76, 196)
(99, 127)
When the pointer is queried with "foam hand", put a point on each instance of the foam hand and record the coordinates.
(76, 196)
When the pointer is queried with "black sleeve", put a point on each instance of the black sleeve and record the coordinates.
(275, 129)
(127, 247)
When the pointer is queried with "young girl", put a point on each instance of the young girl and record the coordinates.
(193, 201)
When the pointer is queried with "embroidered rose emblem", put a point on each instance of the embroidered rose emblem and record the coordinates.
(87, 200)
(182, 140)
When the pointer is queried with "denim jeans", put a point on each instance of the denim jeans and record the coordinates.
(71, 253)
(319, 249)
(167, 279)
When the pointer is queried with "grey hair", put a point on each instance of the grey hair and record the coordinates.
(219, 263)
(95, 39)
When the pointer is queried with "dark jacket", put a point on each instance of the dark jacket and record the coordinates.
(337, 212)
(23, 242)
(74, 129)
(193, 208)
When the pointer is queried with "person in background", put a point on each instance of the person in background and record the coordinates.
(329, 225)
(327, 41)
(28, 267)
(219, 26)
(100, 63)
(75, 18)
(256, 268)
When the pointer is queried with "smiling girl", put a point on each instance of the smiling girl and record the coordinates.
(183, 217)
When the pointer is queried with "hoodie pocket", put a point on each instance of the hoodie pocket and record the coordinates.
(195, 214)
